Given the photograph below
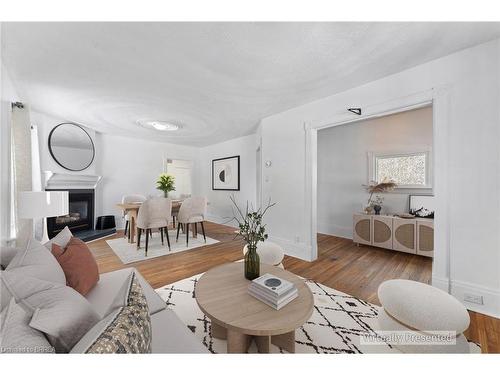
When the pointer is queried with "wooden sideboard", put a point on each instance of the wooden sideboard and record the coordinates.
(415, 236)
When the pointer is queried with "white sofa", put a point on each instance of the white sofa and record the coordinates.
(169, 333)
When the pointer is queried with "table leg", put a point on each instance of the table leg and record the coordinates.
(285, 341)
(133, 225)
(263, 343)
(237, 342)
(219, 332)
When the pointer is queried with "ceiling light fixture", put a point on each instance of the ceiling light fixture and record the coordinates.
(159, 125)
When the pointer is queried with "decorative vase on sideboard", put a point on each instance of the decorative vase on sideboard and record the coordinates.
(252, 263)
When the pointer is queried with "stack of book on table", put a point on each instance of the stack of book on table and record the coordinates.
(273, 291)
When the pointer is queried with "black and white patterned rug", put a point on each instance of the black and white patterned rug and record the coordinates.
(336, 326)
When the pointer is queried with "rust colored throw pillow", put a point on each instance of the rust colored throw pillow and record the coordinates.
(78, 264)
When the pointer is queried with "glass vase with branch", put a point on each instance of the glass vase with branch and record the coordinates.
(253, 231)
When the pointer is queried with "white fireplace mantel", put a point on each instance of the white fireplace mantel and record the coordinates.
(55, 180)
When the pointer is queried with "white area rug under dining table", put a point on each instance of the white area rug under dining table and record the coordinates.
(128, 252)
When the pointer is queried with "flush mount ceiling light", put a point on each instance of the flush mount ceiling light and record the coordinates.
(163, 126)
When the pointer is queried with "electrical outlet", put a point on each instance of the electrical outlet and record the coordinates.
(297, 239)
(473, 298)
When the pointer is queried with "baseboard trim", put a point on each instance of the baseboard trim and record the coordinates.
(441, 283)
(293, 249)
(220, 220)
(335, 230)
(491, 297)
(457, 289)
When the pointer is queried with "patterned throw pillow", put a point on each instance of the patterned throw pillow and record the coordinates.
(129, 331)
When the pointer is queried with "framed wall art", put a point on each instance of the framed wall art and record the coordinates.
(422, 205)
(226, 173)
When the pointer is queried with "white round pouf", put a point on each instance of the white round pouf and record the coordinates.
(269, 253)
(422, 310)
(423, 307)
(387, 324)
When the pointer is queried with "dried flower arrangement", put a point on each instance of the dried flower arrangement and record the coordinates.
(379, 187)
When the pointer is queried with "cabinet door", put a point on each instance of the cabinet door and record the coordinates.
(362, 229)
(382, 231)
(404, 238)
(425, 238)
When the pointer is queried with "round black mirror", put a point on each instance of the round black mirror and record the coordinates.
(71, 147)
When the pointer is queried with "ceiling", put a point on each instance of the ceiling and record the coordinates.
(216, 80)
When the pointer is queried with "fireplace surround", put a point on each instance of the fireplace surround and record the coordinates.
(81, 213)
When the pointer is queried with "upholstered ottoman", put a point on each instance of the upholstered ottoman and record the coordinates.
(424, 312)
(269, 253)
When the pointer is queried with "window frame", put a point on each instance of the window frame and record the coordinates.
(372, 166)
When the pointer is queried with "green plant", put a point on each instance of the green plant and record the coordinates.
(250, 226)
(166, 183)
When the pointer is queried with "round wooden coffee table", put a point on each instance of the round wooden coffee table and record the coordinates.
(239, 318)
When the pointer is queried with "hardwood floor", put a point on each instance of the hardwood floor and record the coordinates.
(341, 265)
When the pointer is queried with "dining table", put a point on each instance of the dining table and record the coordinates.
(132, 209)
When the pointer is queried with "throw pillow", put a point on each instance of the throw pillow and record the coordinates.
(17, 335)
(37, 261)
(62, 239)
(58, 310)
(78, 264)
(126, 330)
(34, 261)
(6, 255)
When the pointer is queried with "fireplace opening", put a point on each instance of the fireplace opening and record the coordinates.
(81, 213)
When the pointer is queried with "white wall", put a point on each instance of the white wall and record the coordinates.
(343, 165)
(130, 165)
(219, 208)
(472, 176)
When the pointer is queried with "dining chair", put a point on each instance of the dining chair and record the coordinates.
(154, 213)
(132, 198)
(193, 211)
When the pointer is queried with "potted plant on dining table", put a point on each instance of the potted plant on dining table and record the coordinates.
(253, 231)
(166, 183)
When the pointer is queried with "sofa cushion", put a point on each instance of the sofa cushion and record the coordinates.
(5, 295)
(103, 296)
(58, 310)
(6, 255)
(125, 330)
(36, 261)
(17, 336)
(170, 335)
(33, 261)
(62, 239)
(78, 264)
(423, 307)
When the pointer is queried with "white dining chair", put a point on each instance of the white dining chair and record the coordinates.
(193, 211)
(132, 198)
(154, 213)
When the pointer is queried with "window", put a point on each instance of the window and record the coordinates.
(410, 170)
